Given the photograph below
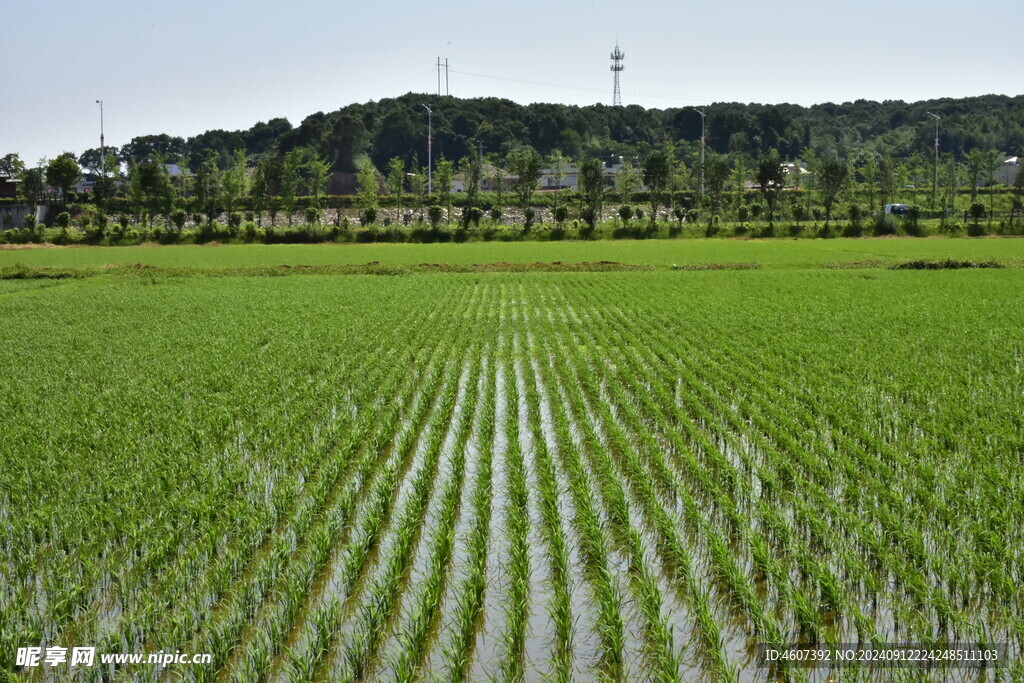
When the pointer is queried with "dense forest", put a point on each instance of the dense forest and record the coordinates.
(382, 130)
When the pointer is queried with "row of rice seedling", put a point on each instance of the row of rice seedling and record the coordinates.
(808, 518)
(370, 624)
(303, 546)
(152, 542)
(657, 484)
(578, 476)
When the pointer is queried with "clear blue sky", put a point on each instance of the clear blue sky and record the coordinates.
(185, 66)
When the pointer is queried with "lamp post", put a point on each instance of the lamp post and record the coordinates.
(430, 149)
(702, 118)
(103, 147)
(935, 184)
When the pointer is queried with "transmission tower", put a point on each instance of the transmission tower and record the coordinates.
(617, 58)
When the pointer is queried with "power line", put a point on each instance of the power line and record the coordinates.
(682, 98)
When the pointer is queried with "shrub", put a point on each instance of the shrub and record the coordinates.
(63, 220)
(178, 217)
(625, 212)
(368, 216)
(434, 213)
(495, 213)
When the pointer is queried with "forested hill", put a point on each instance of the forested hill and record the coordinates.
(398, 127)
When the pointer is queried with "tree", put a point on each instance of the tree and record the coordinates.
(143, 148)
(443, 175)
(260, 192)
(317, 170)
(627, 182)
(12, 165)
(869, 171)
(208, 187)
(470, 166)
(289, 183)
(31, 186)
(558, 163)
(657, 176)
(524, 165)
(396, 180)
(716, 175)
(150, 190)
(831, 178)
(887, 180)
(1018, 193)
(770, 179)
(234, 180)
(739, 175)
(369, 185)
(417, 184)
(591, 188)
(976, 162)
(63, 172)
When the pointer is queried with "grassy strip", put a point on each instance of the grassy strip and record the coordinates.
(23, 272)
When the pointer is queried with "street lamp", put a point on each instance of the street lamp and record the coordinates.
(103, 148)
(702, 118)
(935, 185)
(430, 149)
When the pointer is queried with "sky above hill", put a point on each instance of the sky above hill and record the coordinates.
(188, 66)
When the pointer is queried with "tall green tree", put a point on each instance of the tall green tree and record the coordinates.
(627, 182)
(289, 183)
(396, 181)
(369, 185)
(235, 180)
(770, 179)
(30, 189)
(558, 162)
(260, 191)
(12, 165)
(830, 176)
(869, 171)
(524, 165)
(151, 192)
(62, 173)
(444, 174)
(716, 175)
(976, 162)
(208, 187)
(658, 169)
(471, 168)
(317, 171)
(591, 191)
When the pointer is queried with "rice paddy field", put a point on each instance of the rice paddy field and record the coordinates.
(567, 476)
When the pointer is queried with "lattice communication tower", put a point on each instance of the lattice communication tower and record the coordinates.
(617, 66)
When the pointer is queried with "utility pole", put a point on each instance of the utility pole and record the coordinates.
(935, 184)
(430, 145)
(103, 147)
(438, 76)
(702, 118)
(446, 91)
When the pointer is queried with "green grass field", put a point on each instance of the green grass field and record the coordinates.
(772, 253)
(564, 476)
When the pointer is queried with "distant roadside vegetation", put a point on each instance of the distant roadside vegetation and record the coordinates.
(501, 171)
